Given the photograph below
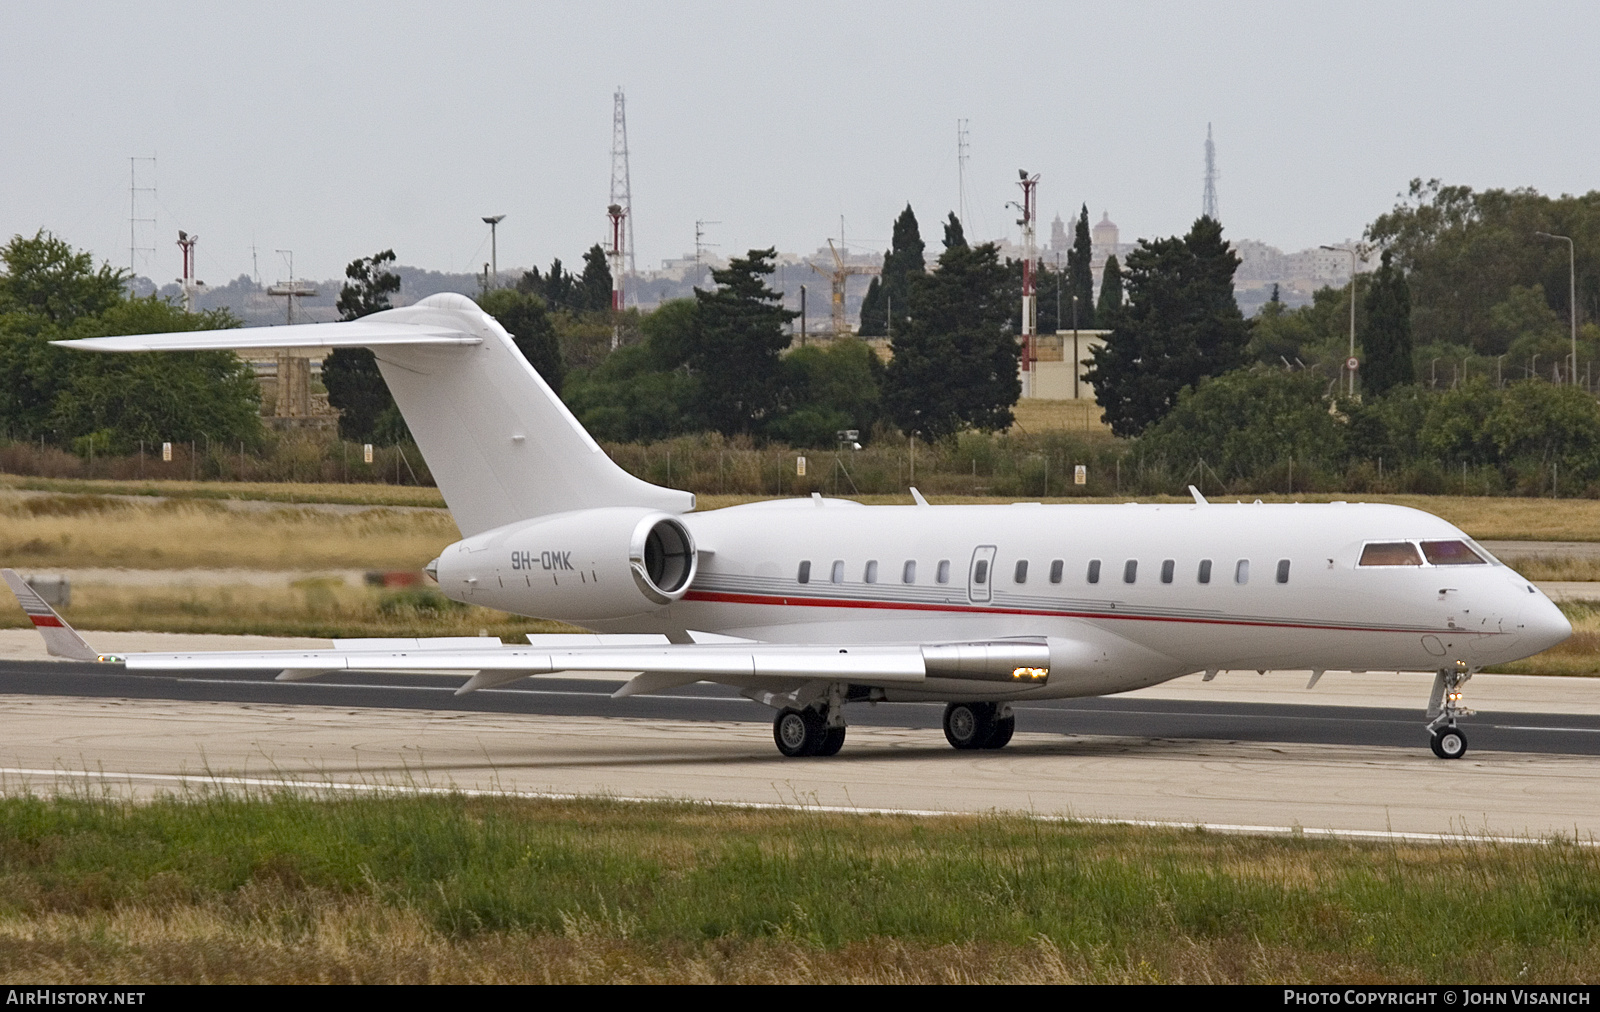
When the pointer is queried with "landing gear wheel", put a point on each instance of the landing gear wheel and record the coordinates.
(1449, 743)
(832, 741)
(799, 732)
(1003, 730)
(968, 725)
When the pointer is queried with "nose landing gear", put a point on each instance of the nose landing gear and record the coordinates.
(1444, 706)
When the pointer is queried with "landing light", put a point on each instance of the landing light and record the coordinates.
(1029, 674)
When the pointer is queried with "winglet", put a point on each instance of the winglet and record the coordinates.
(917, 497)
(60, 639)
(1199, 499)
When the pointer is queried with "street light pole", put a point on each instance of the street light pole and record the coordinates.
(1342, 249)
(494, 250)
(1572, 295)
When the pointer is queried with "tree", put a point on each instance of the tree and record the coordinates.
(741, 330)
(954, 235)
(179, 396)
(1110, 294)
(525, 319)
(49, 292)
(889, 292)
(1388, 335)
(829, 388)
(1080, 273)
(956, 364)
(594, 285)
(46, 279)
(1181, 324)
(1246, 421)
(367, 412)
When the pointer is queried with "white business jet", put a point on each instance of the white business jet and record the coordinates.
(808, 605)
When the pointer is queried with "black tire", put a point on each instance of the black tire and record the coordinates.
(796, 732)
(968, 725)
(1001, 735)
(832, 741)
(1449, 743)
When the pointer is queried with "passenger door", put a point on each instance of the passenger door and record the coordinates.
(980, 575)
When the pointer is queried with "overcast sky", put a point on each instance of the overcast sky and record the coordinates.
(337, 130)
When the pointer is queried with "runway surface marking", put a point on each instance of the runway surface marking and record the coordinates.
(381, 789)
(1331, 789)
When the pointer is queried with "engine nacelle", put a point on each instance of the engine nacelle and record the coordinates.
(588, 564)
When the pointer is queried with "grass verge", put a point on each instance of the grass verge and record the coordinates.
(223, 887)
(316, 606)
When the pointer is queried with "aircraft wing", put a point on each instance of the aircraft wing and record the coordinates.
(654, 660)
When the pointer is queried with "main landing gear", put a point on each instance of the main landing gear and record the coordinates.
(806, 732)
(1444, 706)
(979, 725)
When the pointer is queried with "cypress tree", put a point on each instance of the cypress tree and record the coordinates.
(891, 290)
(954, 235)
(955, 366)
(1080, 275)
(1388, 343)
(366, 408)
(1180, 325)
(740, 330)
(1110, 294)
(594, 285)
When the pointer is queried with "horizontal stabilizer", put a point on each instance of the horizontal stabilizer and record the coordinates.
(312, 336)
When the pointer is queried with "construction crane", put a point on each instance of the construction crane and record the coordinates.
(839, 277)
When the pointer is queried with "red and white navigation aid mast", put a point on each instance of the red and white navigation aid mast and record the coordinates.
(188, 282)
(1029, 208)
(616, 213)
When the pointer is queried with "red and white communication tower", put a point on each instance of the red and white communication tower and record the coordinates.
(1030, 252)
(616, 214)
(188, 282)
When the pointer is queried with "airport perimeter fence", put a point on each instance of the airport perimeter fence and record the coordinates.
(1042, 465)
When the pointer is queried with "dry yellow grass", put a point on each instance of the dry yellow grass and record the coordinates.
(311, 607)
(356, 494)
(1036, 416)
(91, 531)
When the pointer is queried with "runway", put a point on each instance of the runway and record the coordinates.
(1239, 756)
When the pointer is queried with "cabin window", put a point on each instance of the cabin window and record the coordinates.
(1204, 575)
(1167, 569)
(804, 576)
(1021, 575)
(871, 575)
(909, 573)
(838, 571)
(944, 571)
(980, 572)
(1241, 571)
(1283, 570)
(1055, 570)
(1390, 553)
(1094, 570)
(1130, 571)
(1451, 553)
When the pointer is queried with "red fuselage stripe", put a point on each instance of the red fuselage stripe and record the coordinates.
(718, 597)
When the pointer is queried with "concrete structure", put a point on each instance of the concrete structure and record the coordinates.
(1058, 365)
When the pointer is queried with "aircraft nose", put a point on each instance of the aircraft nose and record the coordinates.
(1543, 625)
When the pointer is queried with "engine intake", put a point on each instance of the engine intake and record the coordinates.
(588, 564)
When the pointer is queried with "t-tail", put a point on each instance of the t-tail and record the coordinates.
(499, 442)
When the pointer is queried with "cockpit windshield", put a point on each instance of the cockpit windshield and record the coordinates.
(1451, 553)
(1390, 553)
(1433, 553)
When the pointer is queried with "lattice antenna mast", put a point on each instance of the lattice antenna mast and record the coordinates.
(961, 170)
(141, 211)
(1208, 202)
(621, 184)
